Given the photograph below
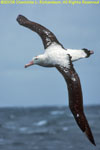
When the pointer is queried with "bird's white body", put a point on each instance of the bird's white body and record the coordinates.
(56, 55)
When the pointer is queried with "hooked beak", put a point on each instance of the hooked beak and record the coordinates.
(29, 64)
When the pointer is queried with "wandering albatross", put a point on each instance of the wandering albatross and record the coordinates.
(57, 56)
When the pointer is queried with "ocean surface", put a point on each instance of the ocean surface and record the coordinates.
(46, 128)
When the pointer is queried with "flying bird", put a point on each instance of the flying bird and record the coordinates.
(57, 56)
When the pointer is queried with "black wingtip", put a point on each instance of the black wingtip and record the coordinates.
(90, 136)
(21, 19)
(93, 142)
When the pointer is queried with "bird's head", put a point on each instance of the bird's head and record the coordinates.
(88, 52)
(35, 60)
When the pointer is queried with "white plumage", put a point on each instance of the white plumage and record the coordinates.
(56, 55)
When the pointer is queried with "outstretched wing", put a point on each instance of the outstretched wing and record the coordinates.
(47, 36)
(75, 98)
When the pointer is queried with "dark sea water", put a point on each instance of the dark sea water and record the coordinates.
(46, 128)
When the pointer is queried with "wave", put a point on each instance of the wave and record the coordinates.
(23, 129)
(56, 112)
(65, 128)
(10, 125)
(34, 131)
(41, 123)
(2, 141)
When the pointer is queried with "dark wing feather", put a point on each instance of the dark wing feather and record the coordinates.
(47, 36)
(76, 99)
